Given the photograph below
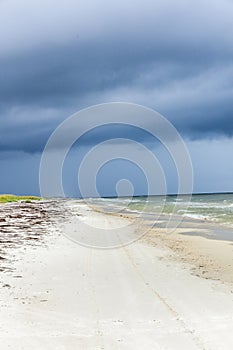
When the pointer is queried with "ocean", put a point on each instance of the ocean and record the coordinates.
(210, 207)
(215, 210)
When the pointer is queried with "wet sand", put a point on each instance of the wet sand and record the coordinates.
(205, 246)
(209, 258)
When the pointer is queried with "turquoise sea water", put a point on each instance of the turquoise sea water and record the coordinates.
(212, 207)
(217, 208)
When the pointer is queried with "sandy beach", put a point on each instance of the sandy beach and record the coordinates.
(160, 292)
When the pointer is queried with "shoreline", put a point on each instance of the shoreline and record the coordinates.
(195, 242)
(208, 258)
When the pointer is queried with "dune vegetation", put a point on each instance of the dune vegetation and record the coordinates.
(7, 198)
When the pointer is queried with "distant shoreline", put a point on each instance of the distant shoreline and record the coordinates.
(22, 197)
(166, 195)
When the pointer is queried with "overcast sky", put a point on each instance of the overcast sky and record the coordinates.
(57, 57)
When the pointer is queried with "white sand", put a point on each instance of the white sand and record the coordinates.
(72, 297)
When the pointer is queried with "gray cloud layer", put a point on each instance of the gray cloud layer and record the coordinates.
(176, 57)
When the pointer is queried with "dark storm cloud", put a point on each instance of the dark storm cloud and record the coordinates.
(176, 57)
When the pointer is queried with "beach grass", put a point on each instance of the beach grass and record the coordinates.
(7, 198)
